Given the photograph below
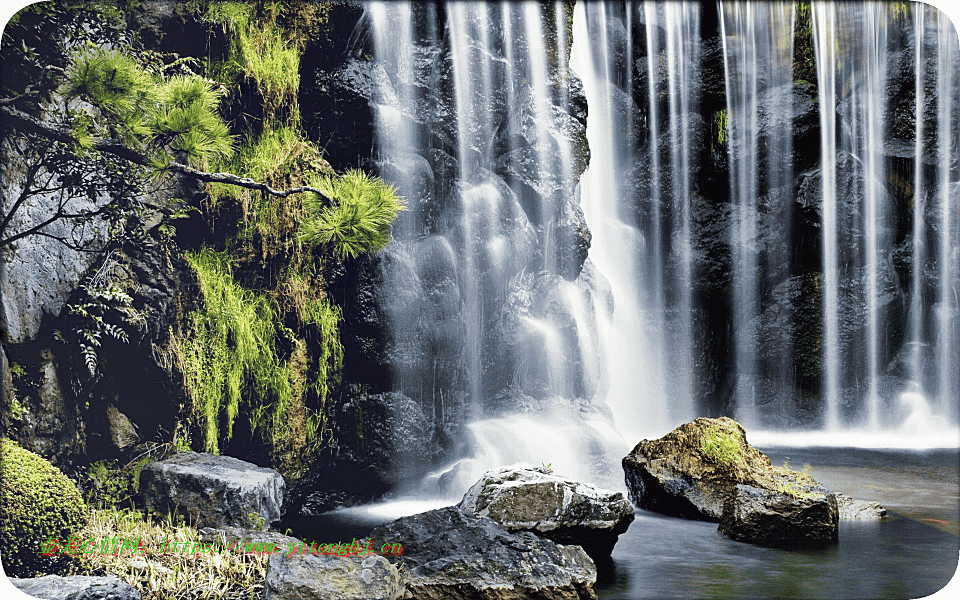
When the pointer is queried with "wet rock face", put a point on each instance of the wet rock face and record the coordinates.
(213, 490)
(450, 555)
(769, 518)
(524, 498)
(326, 577)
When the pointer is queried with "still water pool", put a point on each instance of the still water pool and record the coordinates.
(910, 554)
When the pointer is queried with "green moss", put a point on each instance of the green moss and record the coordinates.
(37, 502)
(259, 52)
(722, 446)
(228, 351)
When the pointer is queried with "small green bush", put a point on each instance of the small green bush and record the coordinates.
(37, 502)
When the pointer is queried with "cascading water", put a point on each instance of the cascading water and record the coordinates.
(700, 293)
(758, 71)
(866, 382)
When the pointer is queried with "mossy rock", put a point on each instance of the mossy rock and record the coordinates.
(37, 502)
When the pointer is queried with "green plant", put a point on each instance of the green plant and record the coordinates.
(360, 219)
(256, 521)
(37, 502)
(259, 52)
(722, 446)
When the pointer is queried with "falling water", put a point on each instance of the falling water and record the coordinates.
(497, 337)
(948, 185)
(758, 70)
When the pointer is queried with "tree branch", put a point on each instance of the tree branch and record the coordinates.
(20, 120)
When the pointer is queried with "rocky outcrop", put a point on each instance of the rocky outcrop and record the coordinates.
(326, 577)
(213, 490)
(525, 498)
(76, 587)
(706, 470)
(450, 555)
(803, 518)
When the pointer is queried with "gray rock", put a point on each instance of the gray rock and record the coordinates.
(524, 498)
(328, 577)
(769, 518)
(122, 431)
(449, 555)
(213, 490)
(76, 587)
(851, 508)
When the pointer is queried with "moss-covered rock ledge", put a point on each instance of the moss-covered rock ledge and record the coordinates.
(707, 470)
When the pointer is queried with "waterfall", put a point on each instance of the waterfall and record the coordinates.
(758, 71)
(576, 258)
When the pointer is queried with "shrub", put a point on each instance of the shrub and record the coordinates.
(37, 502)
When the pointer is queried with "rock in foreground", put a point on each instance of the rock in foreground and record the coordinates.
(706, 470)
(76, 587)
(524, 498)
(691, 471)
(215, 491)
(328, 577)
(804, 518)
(449, 555)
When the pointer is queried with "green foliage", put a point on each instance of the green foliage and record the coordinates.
(101, 313)
(186, 120)
(109, 485)
(721, 445)
(259, 52)
(228, 351)
(116, 85)
(37, 501)
(720, 125)
(326, 317)
(360, 219)
(162, 116)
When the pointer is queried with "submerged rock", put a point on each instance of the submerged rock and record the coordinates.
(450, 555)
(851, 508)
(327, 577)
(76, 587)
(213, 490)
(706, 470)
(525, 498)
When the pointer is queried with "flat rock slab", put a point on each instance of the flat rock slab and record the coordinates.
(449, 555)
(525, 498)
(851, 509)
(768, 518)
(327, 577)
(213, 491)
(76, 587)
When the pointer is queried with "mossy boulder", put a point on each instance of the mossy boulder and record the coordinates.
(37, 502)
(690, 471)
(706, 470)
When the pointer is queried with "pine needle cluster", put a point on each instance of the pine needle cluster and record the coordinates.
(171, 118)
(360, 219)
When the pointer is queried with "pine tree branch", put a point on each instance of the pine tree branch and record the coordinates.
(16, 119)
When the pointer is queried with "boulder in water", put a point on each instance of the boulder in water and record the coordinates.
(706, 470)
(799, 516)
(450, 555)
(526, 498)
